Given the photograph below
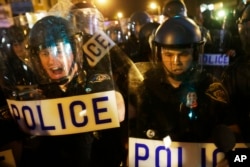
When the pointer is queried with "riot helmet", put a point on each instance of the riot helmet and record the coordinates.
(137, 20)
(18, 39)
(13, 35)
(178, 33)
(55, 52)
(115, 33)
(140, 17)
(173, 8)
(17, 76)
(147, 30)
(86, 17)
(145, 35)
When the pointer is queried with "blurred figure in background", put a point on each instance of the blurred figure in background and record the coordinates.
(208, 20)
(173, 8)
(15, 54)
(115, 33)
(177, 99)
(111, 142)
(236, 78)
(145, 37)
(220, 50)
(136, 21)
(18, 80)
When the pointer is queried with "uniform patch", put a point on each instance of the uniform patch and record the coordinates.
(99, 78)
(5, 113)
(217, 92)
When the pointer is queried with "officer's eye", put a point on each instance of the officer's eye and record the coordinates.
(186, 53)
(44, 53)
(168, 54)
(59, 51)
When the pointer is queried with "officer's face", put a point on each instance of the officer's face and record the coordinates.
(57, 60)
(19, 49)
(177, 61)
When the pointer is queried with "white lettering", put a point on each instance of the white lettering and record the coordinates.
(67, 115)
(240, 158)
(97, 47)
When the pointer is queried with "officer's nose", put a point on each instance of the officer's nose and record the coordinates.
(176, 59)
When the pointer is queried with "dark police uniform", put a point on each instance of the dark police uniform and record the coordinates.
(236, 80)
(164, 110)
(66, 150)
(237, 76)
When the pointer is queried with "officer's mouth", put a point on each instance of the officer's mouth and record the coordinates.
(178, 70)
(56, 71)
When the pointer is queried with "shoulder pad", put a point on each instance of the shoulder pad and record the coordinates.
(99, 78)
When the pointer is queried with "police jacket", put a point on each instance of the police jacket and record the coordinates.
(236, 79)
(187, 113)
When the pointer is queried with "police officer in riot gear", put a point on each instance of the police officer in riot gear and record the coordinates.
(18, 79)
(236, 78)
(15, 55)
(109, 145)
(116, 34)
(57, 60)
(136, 21)
(145, 34)
(86, 17)
(173, 8)
(177, 98)
(220, 51)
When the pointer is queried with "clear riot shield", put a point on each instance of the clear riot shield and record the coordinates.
(217, 53)
(170, 126)
(55, 84)
(14, 72)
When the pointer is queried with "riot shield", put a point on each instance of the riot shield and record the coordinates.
(169, 126)
(59, 84)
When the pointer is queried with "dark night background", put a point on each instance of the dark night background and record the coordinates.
(127, 7)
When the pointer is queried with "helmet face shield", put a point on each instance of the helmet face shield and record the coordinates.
(15, 64)
(114, 31)
(64, 94)
(137, 20)
(55, 50)
(87, 20)
(57, 60)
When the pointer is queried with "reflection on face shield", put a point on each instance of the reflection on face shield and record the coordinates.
(88, 20)
(57, 60)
